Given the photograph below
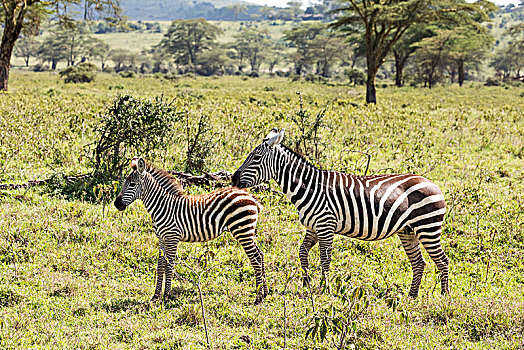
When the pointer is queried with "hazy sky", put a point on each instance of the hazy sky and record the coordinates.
(282, 3)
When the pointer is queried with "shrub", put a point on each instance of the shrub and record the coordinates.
(127, 74)
(200, 143)
(492, 81)
(40, 68)
(129, 127)
(311, 78)
(83, 73)
(356, 77)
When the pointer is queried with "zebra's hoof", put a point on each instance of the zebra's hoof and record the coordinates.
(261, 295)
(306, 281)
(155, 298)
(259, 299)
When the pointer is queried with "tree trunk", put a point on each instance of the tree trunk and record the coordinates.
(398, 69)
(298, 68)
(461, 73)
(12, 28)
(371, 94)
(325, 68)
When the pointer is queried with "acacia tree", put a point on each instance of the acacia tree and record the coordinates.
(468, 49)
(316, 44)
(510, 59)
(329, 49)
(302, 38)
(384, 22)
(405, 47)
(26, 48)
(52, 50)
(19, 14)
(432, 56)
(187, 39)
(252, 44)
(95, 47)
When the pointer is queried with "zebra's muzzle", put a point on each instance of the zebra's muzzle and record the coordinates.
(235, 180)
(119, 204)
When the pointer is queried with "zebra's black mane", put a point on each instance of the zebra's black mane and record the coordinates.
(299, 156)
(166, 180)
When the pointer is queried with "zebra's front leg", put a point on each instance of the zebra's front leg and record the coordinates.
(170, 254)
(161, 265)
(309, 242)
(325, 241)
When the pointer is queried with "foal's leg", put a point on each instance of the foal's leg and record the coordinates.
(170, 253)
(256, 258)
(161, 265)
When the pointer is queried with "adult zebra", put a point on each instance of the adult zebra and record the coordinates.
(180, 218)
(364, 207)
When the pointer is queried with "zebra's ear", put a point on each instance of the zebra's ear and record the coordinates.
(276, 139)
(271, 134)
(141, 165)
(134, 162)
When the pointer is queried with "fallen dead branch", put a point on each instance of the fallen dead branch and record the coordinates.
(220, 178)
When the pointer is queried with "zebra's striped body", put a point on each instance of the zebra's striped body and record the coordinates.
(363, 207)
(180, 218)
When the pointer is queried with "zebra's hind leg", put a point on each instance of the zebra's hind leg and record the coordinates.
(431, 242)
(261, 263)
(256, 258)
(309, 242)
(411, 245)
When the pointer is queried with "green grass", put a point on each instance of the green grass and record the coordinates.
(76, 274)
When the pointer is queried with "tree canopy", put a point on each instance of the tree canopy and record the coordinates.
(383, 23)
(187, 39)
(27, 15)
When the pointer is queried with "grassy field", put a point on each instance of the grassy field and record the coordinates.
(78, 274)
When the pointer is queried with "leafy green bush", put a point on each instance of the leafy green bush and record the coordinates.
(83, 73)
(128, 74)
(356, 77)
(200, 143)
(491, 81)
(132, 126)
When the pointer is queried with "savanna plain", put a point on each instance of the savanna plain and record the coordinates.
(76, 273)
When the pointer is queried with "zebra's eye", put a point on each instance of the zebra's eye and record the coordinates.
(257, 156)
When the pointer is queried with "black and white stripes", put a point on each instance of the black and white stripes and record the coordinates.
(364, 207)
(180, 218)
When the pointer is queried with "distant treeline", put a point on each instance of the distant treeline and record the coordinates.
(452, 50)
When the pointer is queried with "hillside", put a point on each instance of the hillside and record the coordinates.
(165, 10)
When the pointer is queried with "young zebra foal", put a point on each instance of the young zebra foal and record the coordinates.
(181, 218)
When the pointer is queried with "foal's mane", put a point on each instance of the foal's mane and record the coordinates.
(166, 180)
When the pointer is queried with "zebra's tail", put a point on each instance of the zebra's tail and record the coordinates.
(259, 205)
